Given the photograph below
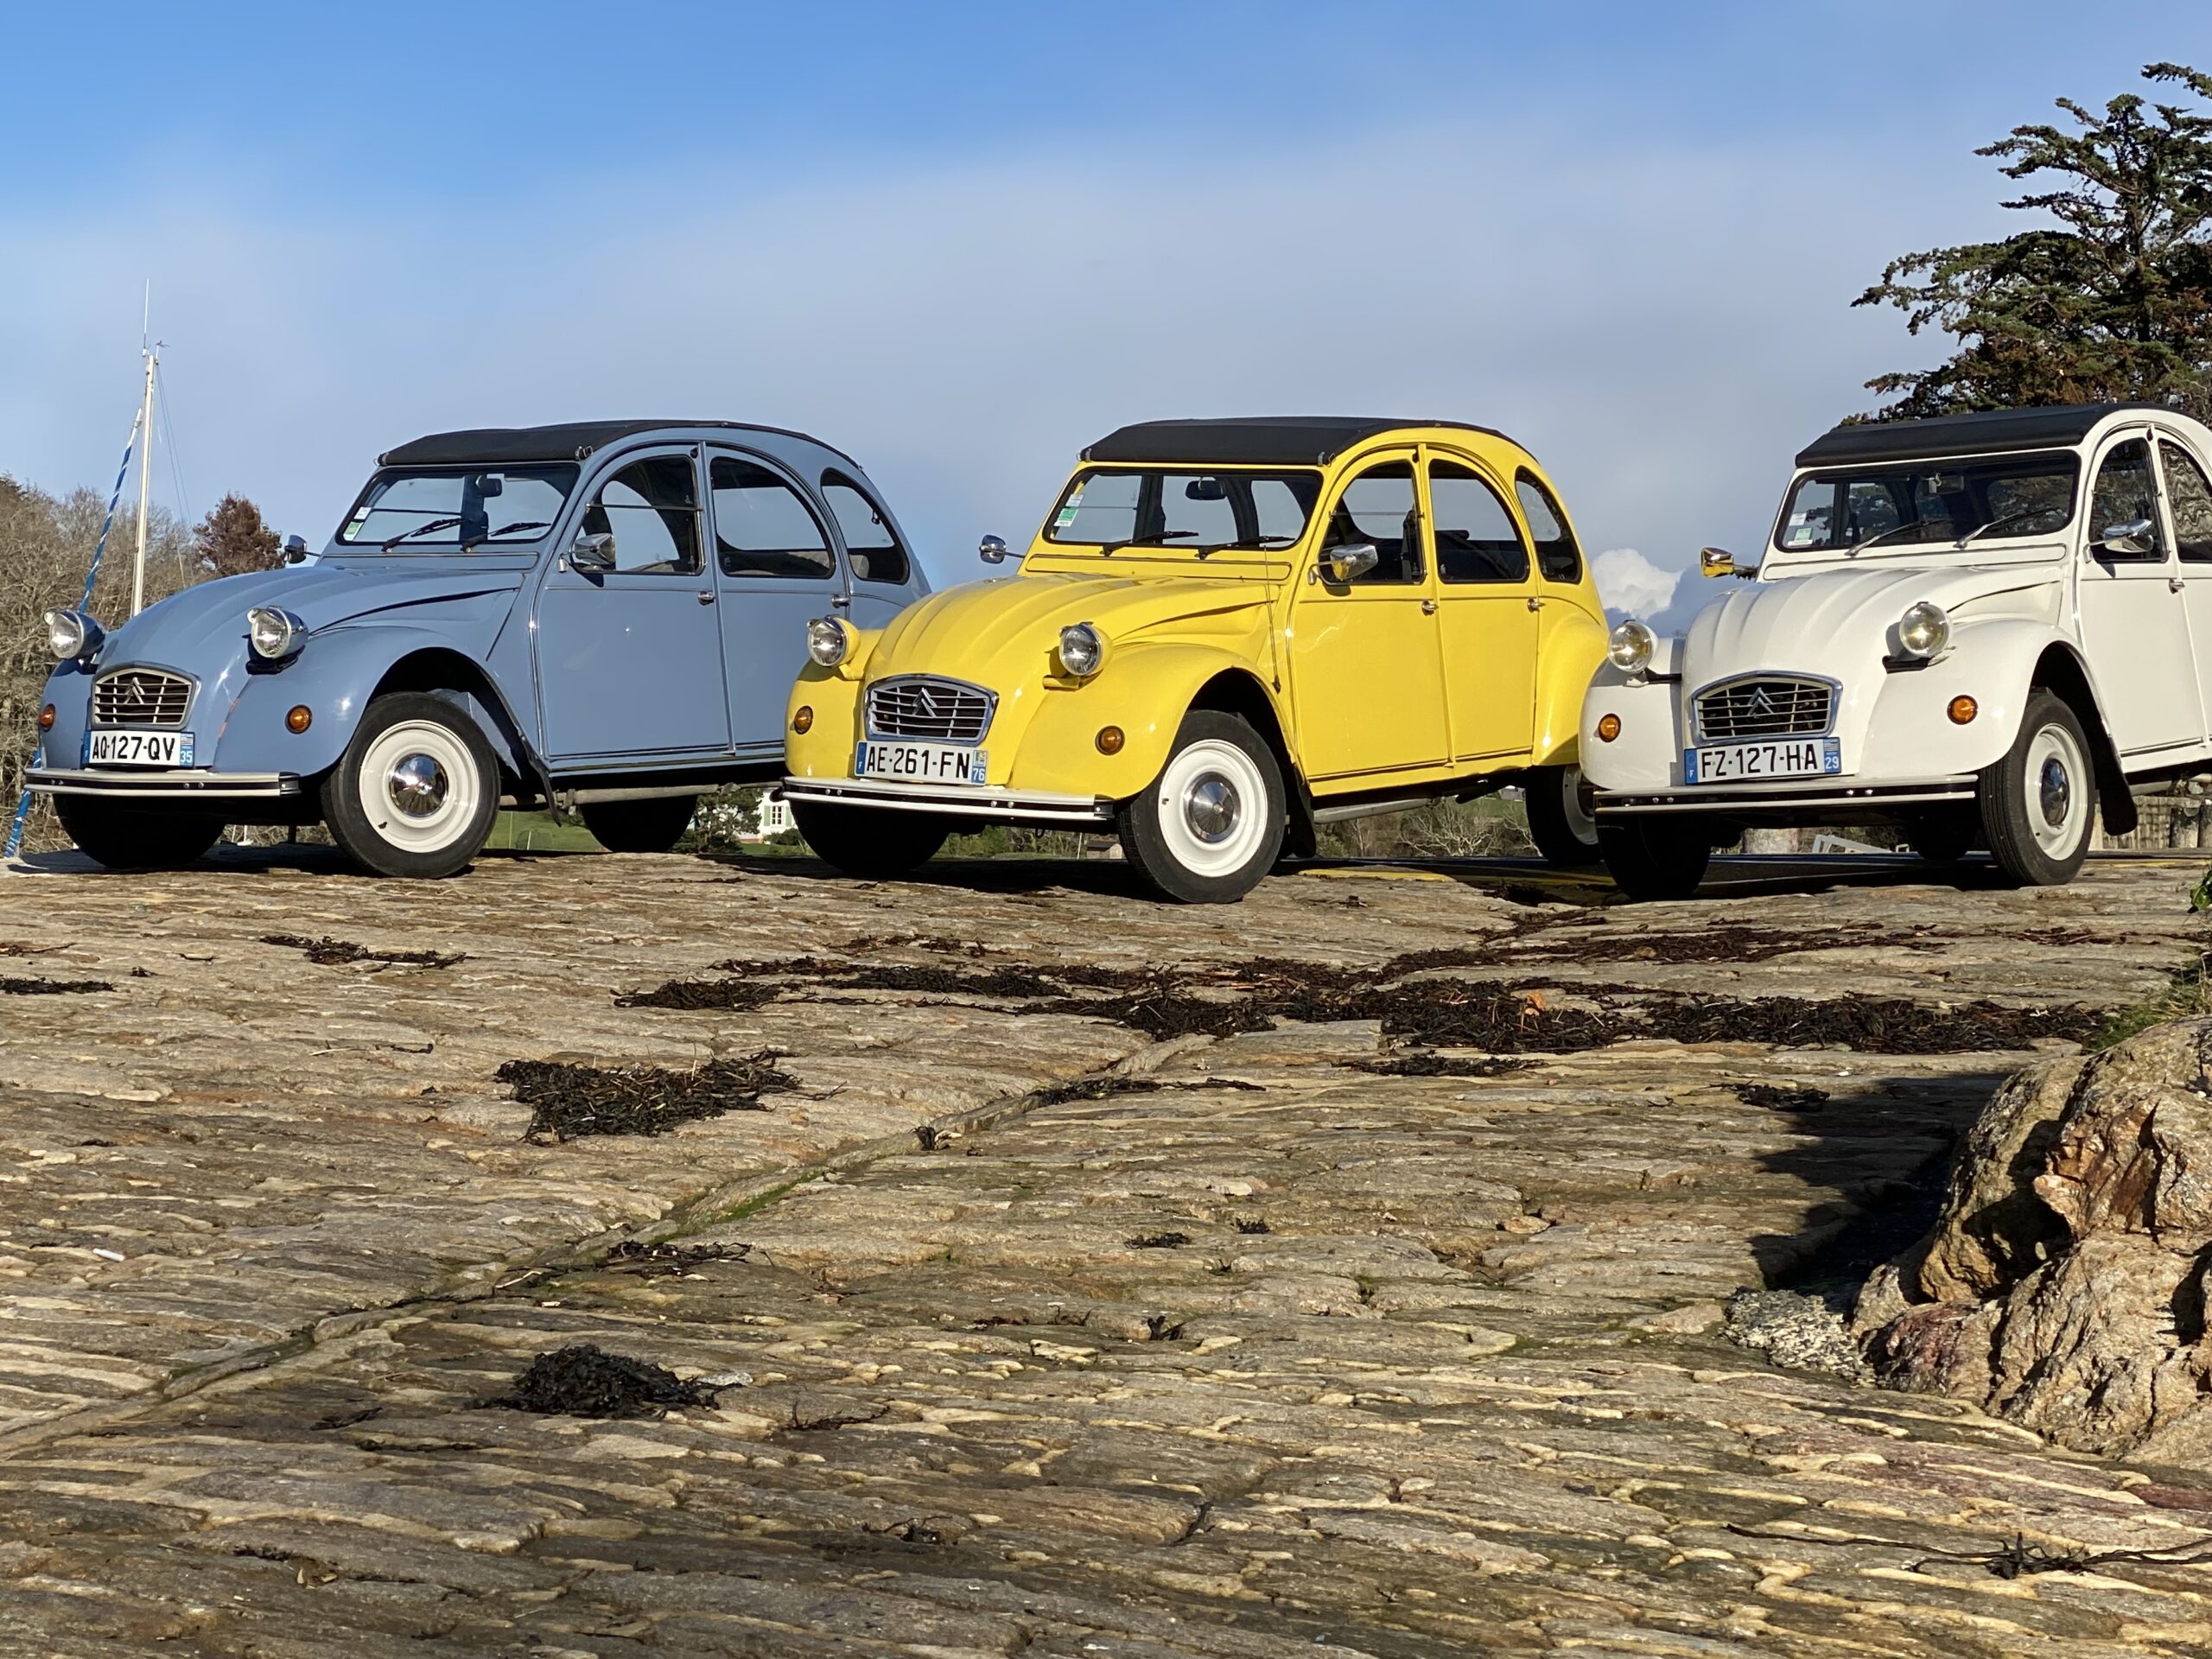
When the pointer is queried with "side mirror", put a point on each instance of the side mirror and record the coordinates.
(1350, 562)
(294, 549)
(1715, 562)
(2133, 539)
(991, 550)
(594, 551)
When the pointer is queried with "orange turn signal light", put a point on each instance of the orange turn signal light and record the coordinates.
(46, 718)
(802, 721)
(1609, 728)
(1110, 740)
(1963, 709)
(300, 718)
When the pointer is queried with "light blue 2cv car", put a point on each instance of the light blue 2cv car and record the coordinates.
(606, 615)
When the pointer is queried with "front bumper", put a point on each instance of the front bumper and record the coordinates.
(999, 805)
(1751, 800)
(164, 785)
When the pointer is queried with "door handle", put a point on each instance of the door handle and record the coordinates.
(706, 596)
(1536, 604)
(841, 602)
(1428, 607)
(2175, 584)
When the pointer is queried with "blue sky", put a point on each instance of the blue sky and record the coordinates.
(962, 240)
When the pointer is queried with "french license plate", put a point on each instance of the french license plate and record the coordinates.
(137, 748)
(1744, 763)
(920, 763)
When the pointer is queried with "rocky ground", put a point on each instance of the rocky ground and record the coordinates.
(1034, 1269)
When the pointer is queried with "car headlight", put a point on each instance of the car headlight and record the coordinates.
(1082, 651)
(1630, 646)
(1924, 629)
(274, 634)
(829, 641)
(72, 635)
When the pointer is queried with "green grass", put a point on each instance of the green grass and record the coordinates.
(534, 832)
(2186, 994)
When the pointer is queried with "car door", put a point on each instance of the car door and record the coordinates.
(1487, 610)
(776, 571)
(2133, 623)
(630, 659)
(1366, 665)
(2187, 491)
(882, 580)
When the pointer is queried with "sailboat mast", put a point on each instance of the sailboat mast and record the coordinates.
(151, 353)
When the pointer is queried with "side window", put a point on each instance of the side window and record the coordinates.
(2191, 498)
(870, 542)
(2123, 495)
(1557, 556)
(762, 528)
(1377, 507)
(1476, 537)
(651, 509)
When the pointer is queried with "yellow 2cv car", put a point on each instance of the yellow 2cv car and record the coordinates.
(1227, 632)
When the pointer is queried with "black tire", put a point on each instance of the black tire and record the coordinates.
(1655, 856)
(135, 838)
(1211, 824)
(651, 826)
(2039, 803)
(429, 808)
(1943, 837)
(1560, 821)
(876, 842)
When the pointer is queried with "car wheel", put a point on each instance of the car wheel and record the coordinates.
(2039, 803)
(1561, 820)
(872, 841)
(652, 826)
(135, 838)
(1655, 856)
(1943, 837)
(1211, 824)
(416, 790)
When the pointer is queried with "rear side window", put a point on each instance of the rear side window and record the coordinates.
(1476, 537)
(870, 542)
(1557, 556)
(762, 527)
(2191, 498)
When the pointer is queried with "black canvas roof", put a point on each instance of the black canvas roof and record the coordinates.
(508, 445)
(1253, 440)
(1981, 433)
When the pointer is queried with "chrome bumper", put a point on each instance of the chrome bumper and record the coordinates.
(1814, 792)
(1005, 805)
(160, 784)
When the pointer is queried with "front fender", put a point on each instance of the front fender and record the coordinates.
(1145, 690)
(1911, 735)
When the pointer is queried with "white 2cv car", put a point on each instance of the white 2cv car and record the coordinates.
(1984, 627)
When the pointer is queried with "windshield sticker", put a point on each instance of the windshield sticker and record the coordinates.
(1066, 517)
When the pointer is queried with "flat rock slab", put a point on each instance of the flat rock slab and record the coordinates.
(1243, 1347)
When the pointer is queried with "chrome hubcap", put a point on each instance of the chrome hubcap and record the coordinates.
(418, 786)
(2055, 792)
(1209, 808)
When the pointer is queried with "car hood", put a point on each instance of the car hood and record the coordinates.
(1842, 622)
(1004, 632)
(181, 628)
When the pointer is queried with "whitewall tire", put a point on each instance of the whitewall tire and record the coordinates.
(1212, 822)
(416, 790)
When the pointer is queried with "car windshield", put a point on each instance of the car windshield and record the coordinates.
(1923, 503)
(433, 511)
(1116, 507)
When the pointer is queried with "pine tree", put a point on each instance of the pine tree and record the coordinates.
(232, 539)
(2114, 302)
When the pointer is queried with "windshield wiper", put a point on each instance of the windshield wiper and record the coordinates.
(419, 529)
(1256, 544)
(503, 529)
(1879, 537)
(2011, 517)
(1160, 540)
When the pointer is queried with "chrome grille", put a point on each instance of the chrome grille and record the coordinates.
(1765, 706)
(141, 697)
(935, 710)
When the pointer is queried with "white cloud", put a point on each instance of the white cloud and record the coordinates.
(1631, 585)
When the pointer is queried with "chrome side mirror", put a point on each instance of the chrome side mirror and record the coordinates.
(294, 549)
(1715, 562)
(2133, 539)
(991, 550)
(1351, 561)
(594, 551)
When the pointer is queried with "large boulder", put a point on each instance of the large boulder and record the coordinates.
(2063, 1287)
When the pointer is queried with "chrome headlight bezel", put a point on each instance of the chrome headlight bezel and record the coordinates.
(72, 635)
(1081, 651)
(273, 634)
(1630, 646)
(829, 641)
(1923, 630)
